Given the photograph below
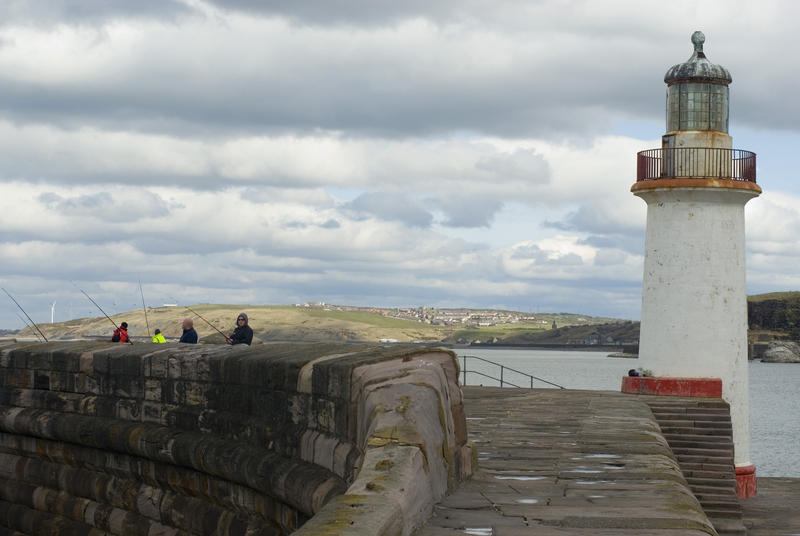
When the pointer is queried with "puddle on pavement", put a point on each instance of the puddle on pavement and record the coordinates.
(527, 501)
(478, 532)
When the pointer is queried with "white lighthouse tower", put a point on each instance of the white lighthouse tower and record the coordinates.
(694, 302)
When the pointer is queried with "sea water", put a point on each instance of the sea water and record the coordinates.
(774, 393)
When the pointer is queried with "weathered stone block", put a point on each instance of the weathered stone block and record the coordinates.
(19, 378)
(129, 410)
(152, 389)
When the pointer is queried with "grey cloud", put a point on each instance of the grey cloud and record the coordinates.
(79, 203)
(521, 165)
(574, 91)
(605, 230)
(570, 259)
(328, 224)
(344, 11)
(53, 12)
(592, 219)
(357, 100)
(119, 207)
(609, 257)
(461, 211)
(529, 251)
(632, 243)
(538, 256)
(391, 207)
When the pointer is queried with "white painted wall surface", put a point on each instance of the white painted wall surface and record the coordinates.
(694, 299)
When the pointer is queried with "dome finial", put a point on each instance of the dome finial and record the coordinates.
(698, 38)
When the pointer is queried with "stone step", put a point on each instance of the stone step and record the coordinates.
(694, 458)
(727, 505)
(703, 492)
(694, 431)
(711, 417)
(722, 444)
(712, 482)
(721, 513)
(712, 494)
(710, 438)
(659, 410)
(712, 475)
(711, 467)
(715, 425)
(711, 453)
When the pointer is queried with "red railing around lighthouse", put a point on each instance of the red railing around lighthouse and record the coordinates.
(696, 163)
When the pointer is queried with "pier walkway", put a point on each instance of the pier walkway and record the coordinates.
(553, 462)
(558, 463)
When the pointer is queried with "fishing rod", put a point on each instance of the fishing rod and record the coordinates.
(207, 322)
(144, 308)
(101, 309)
(38, 338)
(26, 314)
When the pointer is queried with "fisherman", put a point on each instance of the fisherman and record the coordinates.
(189, 334)
(158, 337)
(121, 333)
(243, 334)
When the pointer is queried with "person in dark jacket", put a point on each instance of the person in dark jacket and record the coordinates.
(243, 334)
(121, 333)
(189, 334)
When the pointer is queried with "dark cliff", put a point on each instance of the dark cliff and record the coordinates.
(776, 312)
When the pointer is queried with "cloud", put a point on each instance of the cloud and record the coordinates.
(57, 12)
(472, 211)
(598, 218)
(512, 69)
(521, 165)
(391, 207)
(449, 153)
(119, 206)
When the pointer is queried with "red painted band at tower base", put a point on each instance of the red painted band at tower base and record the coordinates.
(746, 483)
(697, 387)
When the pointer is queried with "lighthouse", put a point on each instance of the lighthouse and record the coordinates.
(694, 303)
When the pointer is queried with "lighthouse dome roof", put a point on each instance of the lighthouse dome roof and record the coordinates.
(698, 68)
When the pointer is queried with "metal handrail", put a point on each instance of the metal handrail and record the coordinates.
(503, 368)
(696, 163)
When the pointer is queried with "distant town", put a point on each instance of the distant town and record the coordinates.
(454, 317)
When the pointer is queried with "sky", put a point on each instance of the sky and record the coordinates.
(450, 153)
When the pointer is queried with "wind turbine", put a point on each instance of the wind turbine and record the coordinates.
(52, 311)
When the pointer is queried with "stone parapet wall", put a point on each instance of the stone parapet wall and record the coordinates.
(184, 439)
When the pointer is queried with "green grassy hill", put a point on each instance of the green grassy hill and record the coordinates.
(622, 331)
(300, 324)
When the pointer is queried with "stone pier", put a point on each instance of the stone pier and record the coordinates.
(174, 439)
(317, 440)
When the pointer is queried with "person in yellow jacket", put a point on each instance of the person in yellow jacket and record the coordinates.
(158, 337)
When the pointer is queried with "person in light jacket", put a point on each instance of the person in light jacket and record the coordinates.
(158, 337)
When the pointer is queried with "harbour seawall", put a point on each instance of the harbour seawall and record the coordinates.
(202, 439)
